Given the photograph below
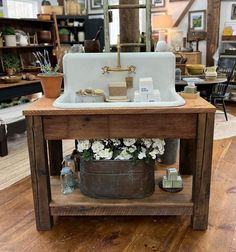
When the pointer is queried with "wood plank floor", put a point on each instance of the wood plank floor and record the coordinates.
(18, 233)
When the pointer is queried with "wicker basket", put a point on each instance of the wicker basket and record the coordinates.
(58, 10)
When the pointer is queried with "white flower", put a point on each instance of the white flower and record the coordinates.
(105, 141)
(142, 154)
(124, 155)
(97, 146)
(154, 153)
(132, 149)
(147, 142)
(106, 153)
(96, 156)
(83, 145)
(115, 142)
(159, 144)
(129, 141)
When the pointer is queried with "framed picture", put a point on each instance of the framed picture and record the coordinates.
(197, 20)
(96, 4)
(233, 11)
(158, 3)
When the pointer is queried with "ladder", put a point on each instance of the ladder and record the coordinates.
(107, 7)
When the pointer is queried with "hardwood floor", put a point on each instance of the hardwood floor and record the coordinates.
(18, 233)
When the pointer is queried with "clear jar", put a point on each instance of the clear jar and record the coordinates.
(68, 180)
(81, 36)
(178, 74)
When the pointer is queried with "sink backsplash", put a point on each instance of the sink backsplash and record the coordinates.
(84, 70)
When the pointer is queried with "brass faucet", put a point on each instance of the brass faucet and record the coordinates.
(118, 68)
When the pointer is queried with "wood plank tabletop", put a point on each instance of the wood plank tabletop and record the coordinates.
(44, 106)
(20, 83)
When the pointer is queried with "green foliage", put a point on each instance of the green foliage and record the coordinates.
(22, 100)
(11, 60)
(8, 31)
(45, 64)
(64, 31)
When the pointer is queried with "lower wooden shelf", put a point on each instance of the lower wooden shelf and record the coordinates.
(160, 203)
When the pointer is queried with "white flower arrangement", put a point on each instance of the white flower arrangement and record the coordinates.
(121, 149)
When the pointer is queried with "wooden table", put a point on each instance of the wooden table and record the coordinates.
(24, 87)
(204, 85)
(193, 123)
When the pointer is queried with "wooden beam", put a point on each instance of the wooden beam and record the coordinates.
(182, 15)
(213, 25)
(129, 25)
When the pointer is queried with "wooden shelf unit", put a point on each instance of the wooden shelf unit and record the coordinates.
(29, 26)
(26, 47)
(161, 202)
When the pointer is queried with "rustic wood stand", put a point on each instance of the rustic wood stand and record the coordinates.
(193, 123)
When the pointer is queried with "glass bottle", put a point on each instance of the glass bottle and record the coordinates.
(177, 74)
(68, 180)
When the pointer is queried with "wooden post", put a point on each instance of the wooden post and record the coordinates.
(55, 156)
(202, 172)
(187, 156)
(213, 24)
(129, 26)
(39, 172)
(3, 141)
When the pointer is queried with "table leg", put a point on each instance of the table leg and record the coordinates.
(187, 156)
(39, 172)
(202, 171)
(55, 156)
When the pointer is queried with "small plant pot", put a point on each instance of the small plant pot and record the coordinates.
(51, 84)
(10, 40)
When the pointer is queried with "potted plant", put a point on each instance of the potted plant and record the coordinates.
(50, 77)
(64, 35)
(11, 63)
(118, 168)
(9, 36)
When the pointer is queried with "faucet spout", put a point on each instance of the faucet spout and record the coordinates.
(118, 68)
(118, 51)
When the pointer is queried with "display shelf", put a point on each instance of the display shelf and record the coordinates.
(35, 20)
(71, 27)
(160, 203)
(71, 43)
(76, 17)
(28, 46)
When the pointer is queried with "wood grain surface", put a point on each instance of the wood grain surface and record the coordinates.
(118, 126)
(20, 83)
(160, 202)
(44, 106)
(126, 233)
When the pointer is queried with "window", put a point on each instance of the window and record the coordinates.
(22, 8)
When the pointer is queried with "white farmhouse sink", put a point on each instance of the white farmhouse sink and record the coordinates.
(83, 70)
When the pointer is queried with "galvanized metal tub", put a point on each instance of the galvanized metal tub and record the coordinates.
(117, 179)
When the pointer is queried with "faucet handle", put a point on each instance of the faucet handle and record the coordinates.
(105, 69)
(132, 69)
